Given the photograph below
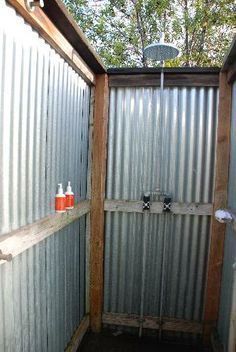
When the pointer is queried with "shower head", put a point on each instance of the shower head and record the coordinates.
(161, 51)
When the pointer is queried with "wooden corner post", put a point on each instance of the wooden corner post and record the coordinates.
(216, 251)
(99, 153)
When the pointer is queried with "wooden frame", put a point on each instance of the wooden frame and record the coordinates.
(97, 200)
(25, 237)
(171, 80)
(60, 16)
(168, 324)
(215, 261)
(78, 335)
(157, 207)
(20, 240)
(47, 30)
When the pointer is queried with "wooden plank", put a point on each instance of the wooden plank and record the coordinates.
(157, 207)
(171, 80)
(78, 335)
(25, 237)
(152, 70)
(47, 30)
(215, 261)
(59, 15)
(99, 154)
(88, 230)
(231, 73)
(168, 324)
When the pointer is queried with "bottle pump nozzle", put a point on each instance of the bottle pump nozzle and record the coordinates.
(60, 188)
(69, 189)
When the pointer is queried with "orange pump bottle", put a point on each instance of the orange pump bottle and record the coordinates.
(70, 198)
(60, 200)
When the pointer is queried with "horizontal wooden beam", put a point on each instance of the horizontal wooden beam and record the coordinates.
(47, 30)
(25, 237)
(78, 335)
(58, 13)
(157, 207)
(168, 324)
(171, 80)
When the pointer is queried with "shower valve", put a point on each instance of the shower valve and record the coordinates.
(167, 205)
(146, 201)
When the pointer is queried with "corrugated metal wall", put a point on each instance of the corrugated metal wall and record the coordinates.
(42, 296)
(174, 153)
(44, 109)
(230, 239)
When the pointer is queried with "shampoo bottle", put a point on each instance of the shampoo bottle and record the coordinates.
(70, 198)
(60, 200)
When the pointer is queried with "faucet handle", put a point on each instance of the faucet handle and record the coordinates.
(146, 201)
(224, 216)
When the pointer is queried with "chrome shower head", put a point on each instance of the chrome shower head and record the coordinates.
(161, 51)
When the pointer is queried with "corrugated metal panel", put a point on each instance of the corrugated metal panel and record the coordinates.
(174, 153)
(44, 108)
(42, 296)
(230, 239)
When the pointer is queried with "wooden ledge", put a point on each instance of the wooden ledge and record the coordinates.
(25, 237)
(78, 335)
(168, 324)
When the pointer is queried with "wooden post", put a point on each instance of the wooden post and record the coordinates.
(212, 293)
(99, 152)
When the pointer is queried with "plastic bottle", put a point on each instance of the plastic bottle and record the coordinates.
(70, 198)
(60, 200)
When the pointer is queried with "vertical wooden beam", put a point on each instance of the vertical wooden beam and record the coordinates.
(216, 251)
(97, 200)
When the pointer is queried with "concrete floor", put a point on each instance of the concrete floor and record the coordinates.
(106, 342)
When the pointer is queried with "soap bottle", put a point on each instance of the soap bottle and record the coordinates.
(60, 200)
(70, 198)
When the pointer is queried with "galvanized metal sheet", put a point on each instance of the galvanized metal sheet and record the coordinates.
(42, 296)
(230, 239)
(44, 122)
(44, 109)
(174, 153)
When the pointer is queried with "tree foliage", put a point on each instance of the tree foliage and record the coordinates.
(120, 29)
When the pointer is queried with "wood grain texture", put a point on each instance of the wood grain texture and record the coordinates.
(157, 207)
(99, 155)
(47, 30)
(78, 335)
(25, 237)
(168, 324)
(231, 74)
(171, 80)
(216, 251)
(59, 15)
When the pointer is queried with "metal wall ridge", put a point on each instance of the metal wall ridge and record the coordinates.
(175, 153)
(44, 137)
(44, 108)
(42, 296)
